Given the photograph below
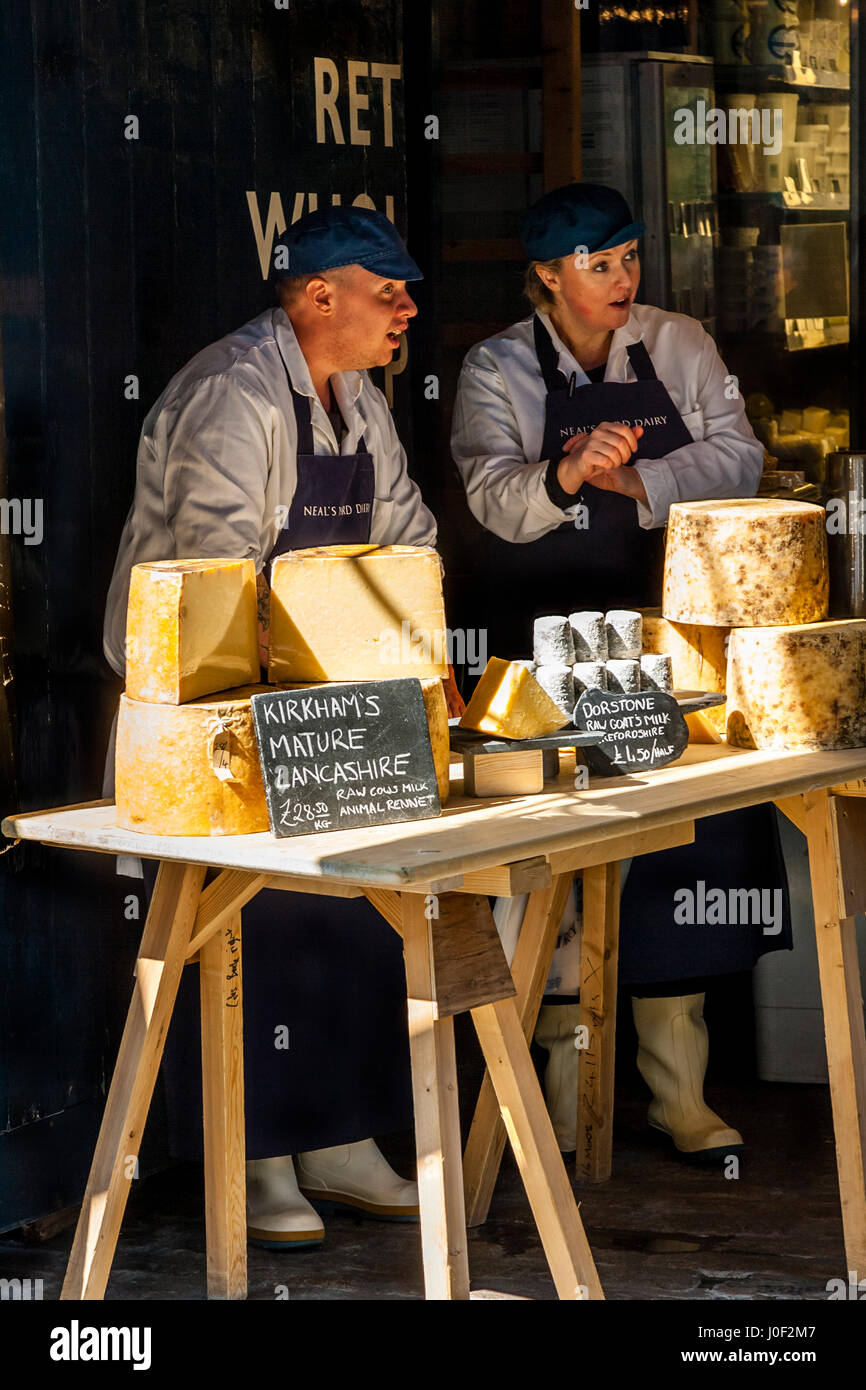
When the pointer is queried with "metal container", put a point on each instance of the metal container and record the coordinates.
(846, 533)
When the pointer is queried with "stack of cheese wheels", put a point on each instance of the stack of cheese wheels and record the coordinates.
(186, 761)
(756, 570)
(364, 612)
(186, 757)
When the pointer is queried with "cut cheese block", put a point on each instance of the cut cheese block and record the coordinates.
(190, 769)
(510, 702)
(357, 612)
(436, 709)
(191, 629)
(745, 562)
(802, 686)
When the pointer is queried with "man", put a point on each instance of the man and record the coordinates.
(274, 438)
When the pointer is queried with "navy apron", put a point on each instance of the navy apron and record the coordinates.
(614, 563)
(328, 969)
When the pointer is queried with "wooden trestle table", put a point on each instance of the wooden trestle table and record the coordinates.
(429, 879)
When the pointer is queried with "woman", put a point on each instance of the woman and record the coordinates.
(574, 431)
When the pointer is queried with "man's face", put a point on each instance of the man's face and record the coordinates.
(369, 315)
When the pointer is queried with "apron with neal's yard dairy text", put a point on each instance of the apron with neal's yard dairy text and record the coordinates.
(614, 562)
(329, 970)
(603, 558)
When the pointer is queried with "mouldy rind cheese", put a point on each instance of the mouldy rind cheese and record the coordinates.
(802, 686)
(191, 629)
(510, 702)
(745, 562)
(190, 769)
(357, 612)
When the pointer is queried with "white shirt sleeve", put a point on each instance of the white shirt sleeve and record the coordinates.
(505, 491)
(217, 461)
(727, 462)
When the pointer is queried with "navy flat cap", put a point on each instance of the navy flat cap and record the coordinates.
(342, 236)
(578, 215)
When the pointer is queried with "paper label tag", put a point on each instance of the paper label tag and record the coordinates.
(220, 755)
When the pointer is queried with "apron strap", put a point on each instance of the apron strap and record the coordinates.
(548, 357)
(641, 362)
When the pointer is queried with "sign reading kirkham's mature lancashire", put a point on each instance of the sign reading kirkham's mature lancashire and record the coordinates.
(638, 731)
(335, 756)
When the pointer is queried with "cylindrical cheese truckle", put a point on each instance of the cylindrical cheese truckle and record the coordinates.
(357, 612)
(190, 769)
(802, 686)
(191, 628)
(698, 654)
(745, 562)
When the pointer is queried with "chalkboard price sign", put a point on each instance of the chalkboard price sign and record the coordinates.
(638, 732)
(335, 756)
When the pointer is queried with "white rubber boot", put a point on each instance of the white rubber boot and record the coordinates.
(672, 1059)
(555, 1031)
(278, 1217)
(359, 1176)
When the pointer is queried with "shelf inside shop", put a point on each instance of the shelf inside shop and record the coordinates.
(745, 76)
(819, 203)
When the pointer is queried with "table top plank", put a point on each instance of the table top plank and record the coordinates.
(473, 834)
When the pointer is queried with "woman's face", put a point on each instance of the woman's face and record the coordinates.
(598, 289)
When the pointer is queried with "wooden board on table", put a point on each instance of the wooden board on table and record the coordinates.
(471, 834)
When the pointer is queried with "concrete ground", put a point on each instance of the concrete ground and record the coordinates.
(659, 1229)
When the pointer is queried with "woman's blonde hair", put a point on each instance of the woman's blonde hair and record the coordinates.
(534, 288)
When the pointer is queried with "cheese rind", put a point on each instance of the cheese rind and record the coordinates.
(745, 562)
(436, 709)
(357, 612)
(191, 629)
(509, 701)
(168, 761)
(801, 687)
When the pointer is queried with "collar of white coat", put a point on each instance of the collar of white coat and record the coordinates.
(345, 385)
(616, 369)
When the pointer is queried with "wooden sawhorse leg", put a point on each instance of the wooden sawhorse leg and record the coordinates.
(598, 980)
(455, 962)
(222, 1058)
(835, 828)
(158, 967)
(487, 1136)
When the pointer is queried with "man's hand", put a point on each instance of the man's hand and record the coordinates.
(600, 458)
(454, 700)
(263, 604)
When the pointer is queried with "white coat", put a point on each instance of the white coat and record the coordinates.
(499, 423)
(216, 470)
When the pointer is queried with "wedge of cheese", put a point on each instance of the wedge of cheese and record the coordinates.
(510, 702)
(745, 562)
(802, 686)
(191, 629)
(357, 612)
(190, 769)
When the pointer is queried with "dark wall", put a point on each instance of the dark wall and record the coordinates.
(121, 257)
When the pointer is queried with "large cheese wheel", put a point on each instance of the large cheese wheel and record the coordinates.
(357, 612)
(698, 653)
(190, 769)
(191, 629)
(745, 562)
(509, 701)
(699, 658)
(802, 686)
